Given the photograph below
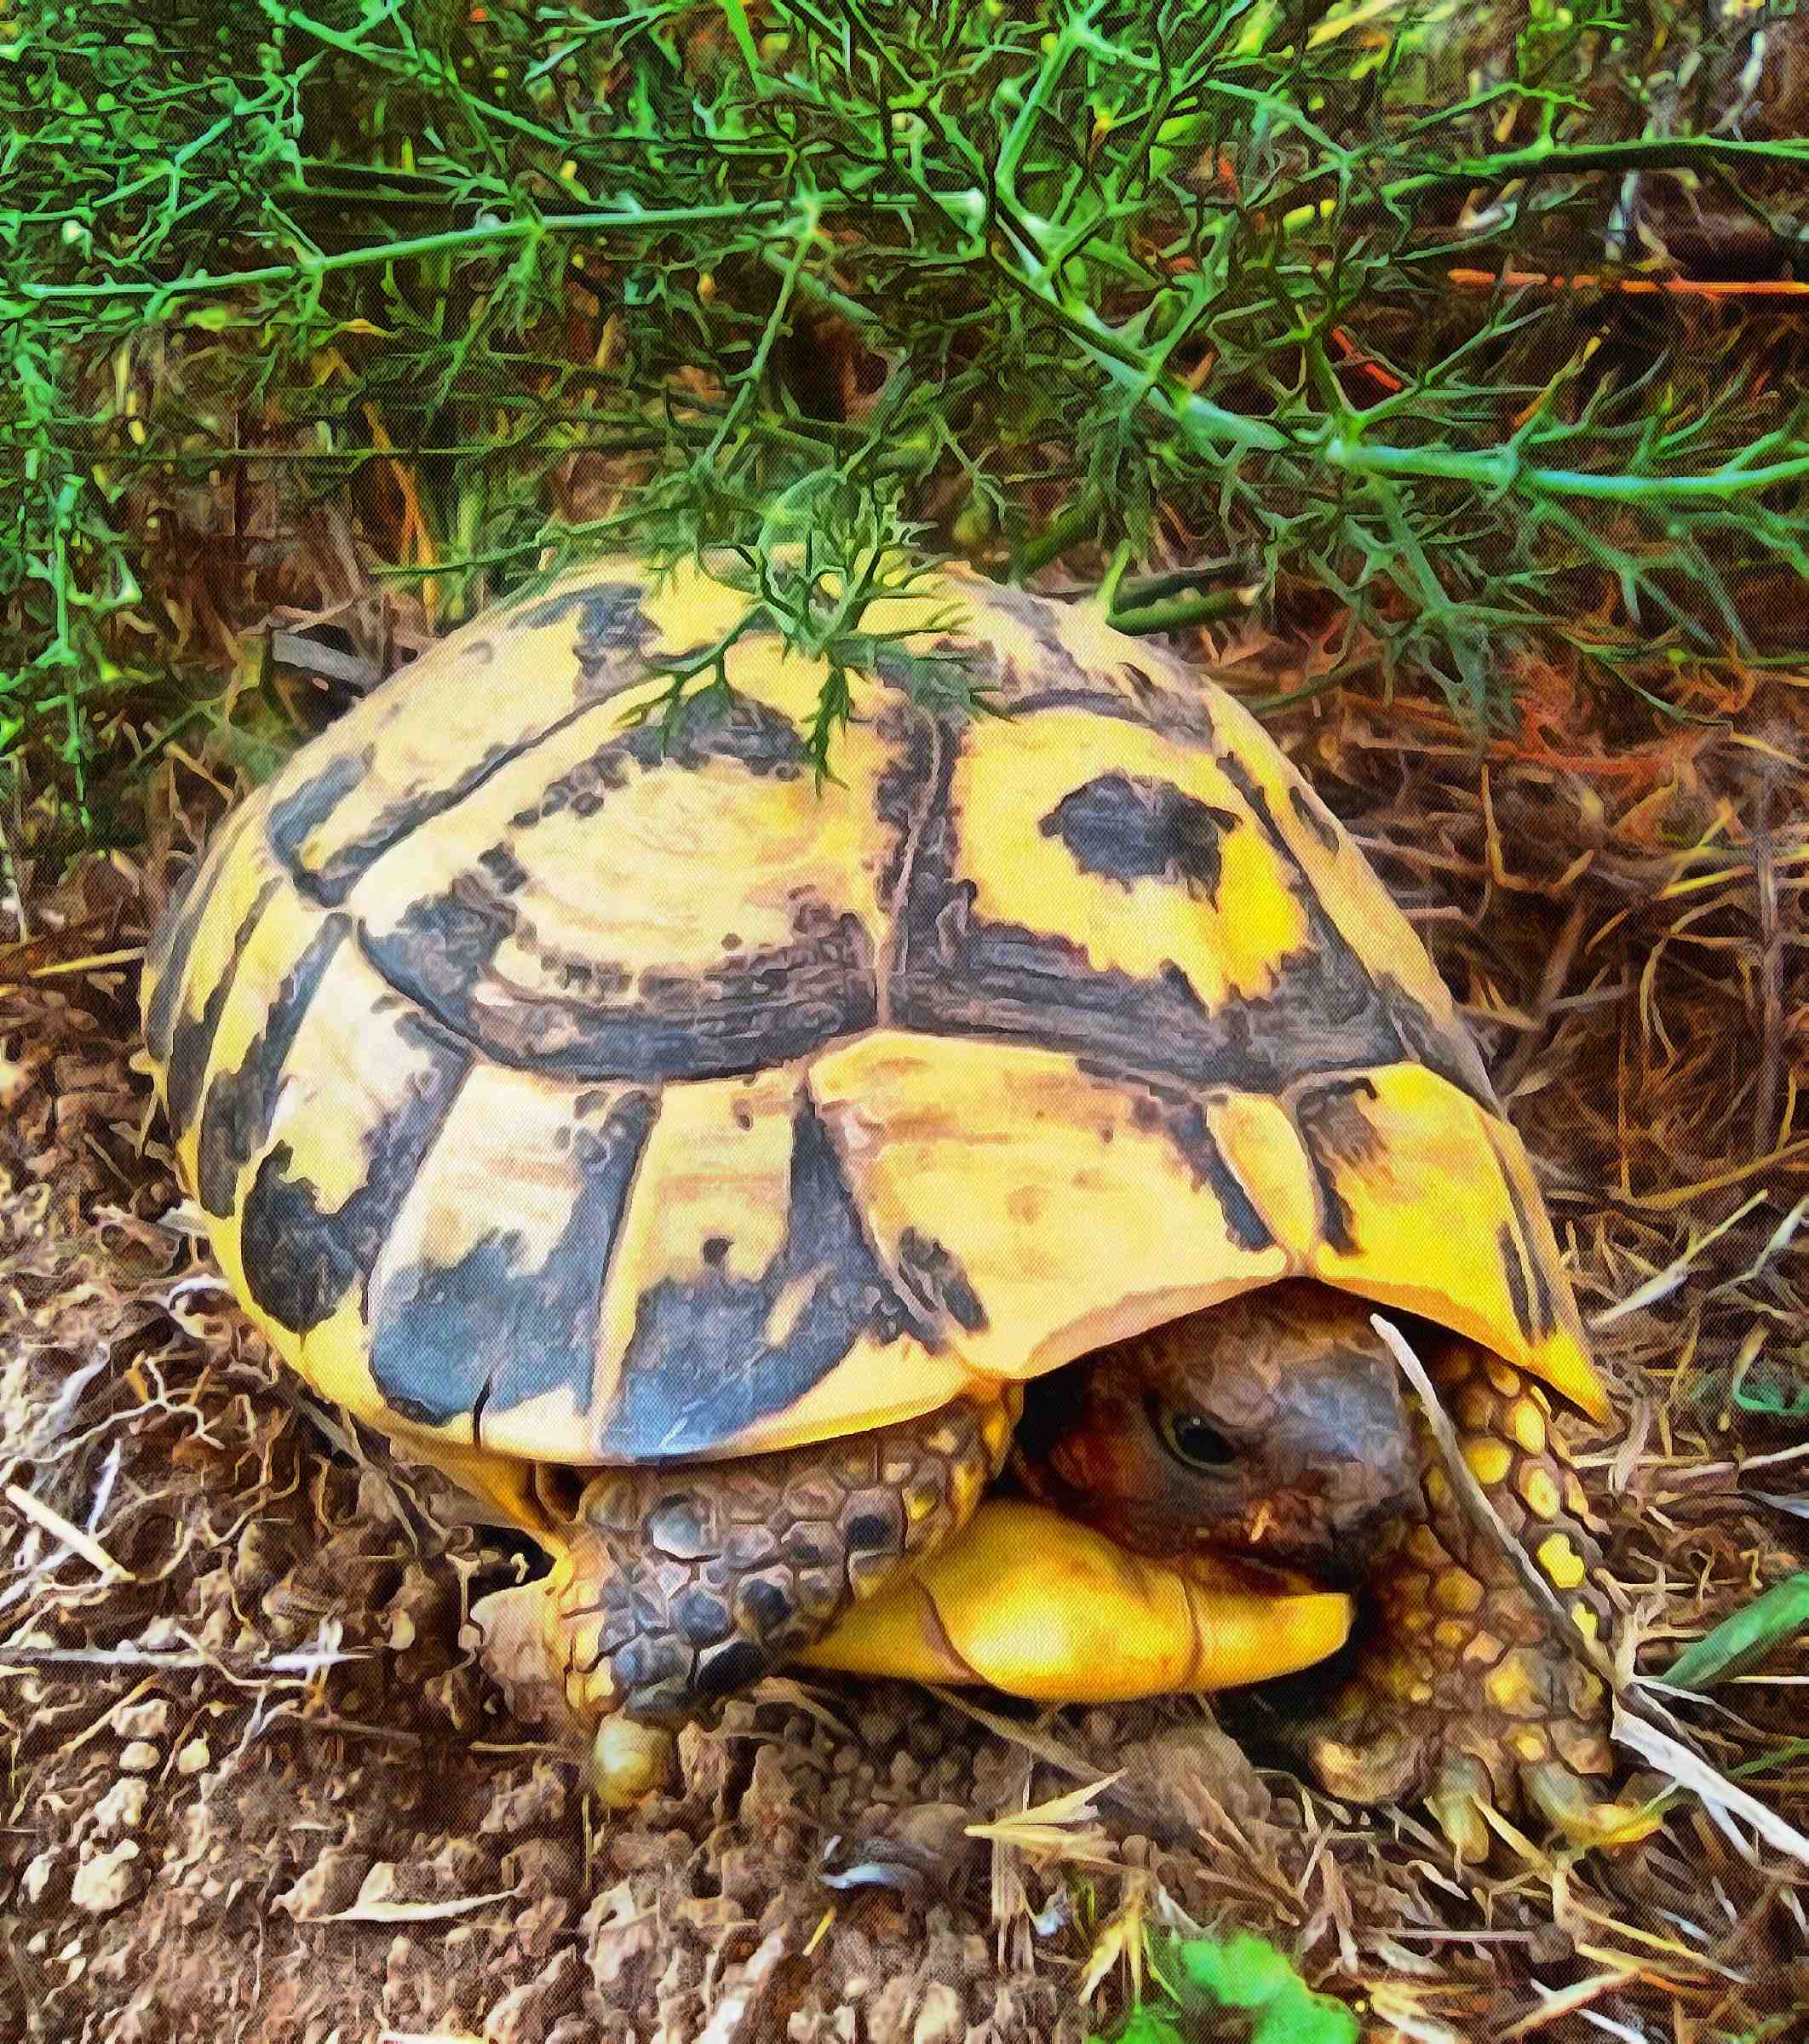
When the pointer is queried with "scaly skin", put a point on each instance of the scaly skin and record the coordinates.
(678, 1585)
(1460, 1694)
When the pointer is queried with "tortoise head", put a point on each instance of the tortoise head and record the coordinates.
(1272, 1426)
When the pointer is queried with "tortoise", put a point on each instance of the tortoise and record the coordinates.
(922, 1220)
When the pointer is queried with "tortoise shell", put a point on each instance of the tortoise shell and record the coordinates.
(574, 1091)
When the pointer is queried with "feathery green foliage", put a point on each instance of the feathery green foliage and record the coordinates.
(1160, 285)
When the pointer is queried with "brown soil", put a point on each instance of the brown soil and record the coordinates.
(259, 1786)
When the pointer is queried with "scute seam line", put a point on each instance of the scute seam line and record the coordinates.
(306, 879)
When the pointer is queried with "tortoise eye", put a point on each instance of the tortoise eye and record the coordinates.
(1192, 1438)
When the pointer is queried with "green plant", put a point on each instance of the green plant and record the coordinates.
(1205, 1980)
(1160, 285)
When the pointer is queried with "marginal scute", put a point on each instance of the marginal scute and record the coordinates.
(296, 814)
(199, 930)
(488, 1295)
(191, 1036)
(745, 1278)
(302, 1255)
(241, 1098)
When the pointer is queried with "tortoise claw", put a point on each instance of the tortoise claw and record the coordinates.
(1457, 1799)
(627, 1759)
(1462, 1690)
(1380, 1767)
(1570, 1805)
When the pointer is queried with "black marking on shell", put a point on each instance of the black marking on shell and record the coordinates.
(438, 950)
(1420, 1037)
(1183, 720)
(192, 1039)
(1335, 1134)
(905, 787)
(1513, 1268)
(483, 1335)
(235, 1119)
(300, 1259)
(336, 875)
(1452, 1052)
(296, 817)
(610, 622)
(932, 1275)
(504, 871)
(723, 724)
(719, 725)
(703, 1364)
(1540, 1319)
(580, 788)
(1056, 666)
(1129, 828)
(169, 946)
(751, 1011)
(1184, 1120)
(1313, 813)
(175, 937)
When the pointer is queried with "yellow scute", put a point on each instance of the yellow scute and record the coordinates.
(1013, 774)
(1444, 1220)
(951, 1141)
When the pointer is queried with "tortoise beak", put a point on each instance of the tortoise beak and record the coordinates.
(1350, 1557)
(1347, 1471)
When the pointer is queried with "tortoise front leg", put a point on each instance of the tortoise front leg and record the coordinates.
(1460, 1692)
(677, 1585)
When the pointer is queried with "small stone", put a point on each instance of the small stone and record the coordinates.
(541, 1866)
(140, 1757)
(123, 1807)
(536, 1926)
(620, 1932)
(770, 1799)
(747, 1873)
(330, 1884)
(638, 1851)
(109, 1880)
(531, 1806)
(148, 1719)
(889, 2010)
(35, 1882)
(526, 2014)
(942, 2017)
(194, 1758)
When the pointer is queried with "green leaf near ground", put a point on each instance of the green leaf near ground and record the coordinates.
(1207, 1977)
(1744, 1639)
